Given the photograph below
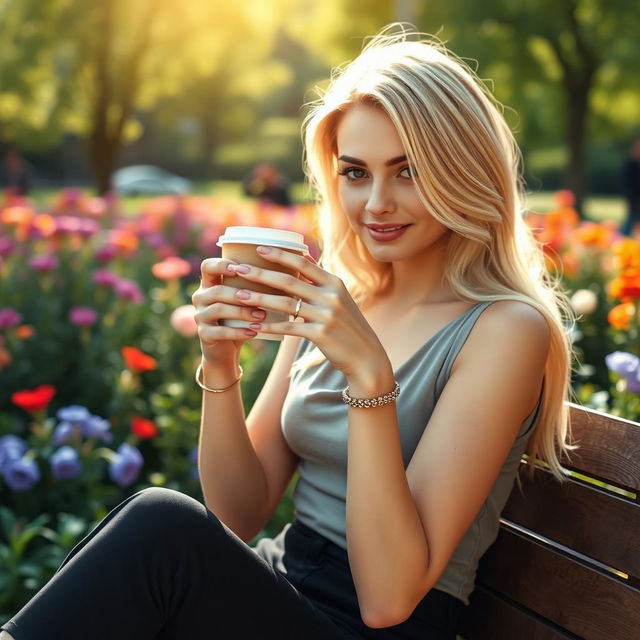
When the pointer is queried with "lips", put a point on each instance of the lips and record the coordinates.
(386, 227)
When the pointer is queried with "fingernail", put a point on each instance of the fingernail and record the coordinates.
(242, 268)
(255, 326)
(231, 268)
(257, 313)
(264, 250)
(243, 294)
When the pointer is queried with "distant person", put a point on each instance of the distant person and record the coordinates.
(15, 174)
(267, 184)
(630, 183)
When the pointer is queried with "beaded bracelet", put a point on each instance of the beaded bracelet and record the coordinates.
(205, 388)
(365, 403)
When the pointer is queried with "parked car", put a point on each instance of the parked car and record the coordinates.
(144, 179)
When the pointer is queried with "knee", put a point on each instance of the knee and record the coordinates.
(165, 512)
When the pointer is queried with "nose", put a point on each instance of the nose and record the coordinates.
(380, 200)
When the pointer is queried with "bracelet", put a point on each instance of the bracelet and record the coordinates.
(363, 403)
(205, 388)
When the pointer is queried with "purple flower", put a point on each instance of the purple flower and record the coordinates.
(62, 433)
(622, 363)
(105, 277)
(125, 468)
(65, 463)
(129, 290)
(21, 474)
(83, 316)
(9, 317)
(99, 428)
(73, 413)
(106, 253)
(44, 263)
(626, 365)
(11, 448)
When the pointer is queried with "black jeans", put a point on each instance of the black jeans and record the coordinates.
(161, 565)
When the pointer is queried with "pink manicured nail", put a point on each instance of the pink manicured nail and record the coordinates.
(243, 294)
(255, 326)
(231, 268)
(242, 268)
(264, 250)
(257, 313)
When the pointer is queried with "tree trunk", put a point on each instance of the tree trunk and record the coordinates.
(577, 96)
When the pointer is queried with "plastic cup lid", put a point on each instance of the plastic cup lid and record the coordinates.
(263, 235)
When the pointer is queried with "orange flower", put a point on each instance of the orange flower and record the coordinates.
(594, 235)
(138, 361)
(124, 239)
(17, 215)
(170, 268)
(24, 332)
(144, 428)
(627, 253)
(45, 224)
(620, 316)
(32, 400)
(626, 285)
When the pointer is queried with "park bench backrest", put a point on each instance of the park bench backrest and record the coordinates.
(566, 563)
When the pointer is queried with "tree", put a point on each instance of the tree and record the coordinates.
(103, 61)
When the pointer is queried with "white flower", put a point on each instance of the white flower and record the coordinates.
(584, 301)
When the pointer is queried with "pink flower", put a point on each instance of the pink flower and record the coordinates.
(9, 317)
(183, 321)
(44, 263)
(170, 268)
(129, 290)
(106, 253)
(83, 316)
(6, 246)
(105, 278)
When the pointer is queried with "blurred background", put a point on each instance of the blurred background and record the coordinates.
(207, 90)
(132, 132)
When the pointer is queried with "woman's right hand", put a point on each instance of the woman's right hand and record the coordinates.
(214, 302)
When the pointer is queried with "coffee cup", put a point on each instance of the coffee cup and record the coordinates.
(239, 244)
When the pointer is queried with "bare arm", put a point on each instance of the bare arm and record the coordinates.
(244, 465)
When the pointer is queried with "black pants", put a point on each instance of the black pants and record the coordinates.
(161, 565)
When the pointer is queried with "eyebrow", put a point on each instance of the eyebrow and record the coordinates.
(362, 163)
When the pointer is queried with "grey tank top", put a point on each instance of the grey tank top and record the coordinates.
(314, 424)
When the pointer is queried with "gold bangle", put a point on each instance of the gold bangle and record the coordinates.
(205, 388)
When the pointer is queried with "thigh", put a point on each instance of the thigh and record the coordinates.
(160, 565)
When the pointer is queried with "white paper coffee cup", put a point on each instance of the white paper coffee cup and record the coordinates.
(239, 244)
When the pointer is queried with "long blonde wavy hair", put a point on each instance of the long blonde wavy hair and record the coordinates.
(467, 165)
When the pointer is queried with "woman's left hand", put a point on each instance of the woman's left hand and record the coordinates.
(332, 319)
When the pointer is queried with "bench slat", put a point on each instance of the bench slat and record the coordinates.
(609, 448)
(586, 519)
(485, 608)
(574, 597)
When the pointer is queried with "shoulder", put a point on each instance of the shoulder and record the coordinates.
(509, 329)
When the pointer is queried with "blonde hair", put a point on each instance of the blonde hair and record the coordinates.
(468, 177)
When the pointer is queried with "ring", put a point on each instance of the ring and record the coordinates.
(297, 311)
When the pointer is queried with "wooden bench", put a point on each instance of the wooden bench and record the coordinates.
(566, 563)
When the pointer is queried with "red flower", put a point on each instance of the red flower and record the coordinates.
(138, 361)
(144, 428)
(32, 400)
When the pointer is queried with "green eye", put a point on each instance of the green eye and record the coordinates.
(407, 172)
(353, 173)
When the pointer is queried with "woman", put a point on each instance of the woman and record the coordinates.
(430, 298)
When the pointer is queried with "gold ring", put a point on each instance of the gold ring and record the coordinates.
(297, 311)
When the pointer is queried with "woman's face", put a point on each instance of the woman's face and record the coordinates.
(377, 190)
